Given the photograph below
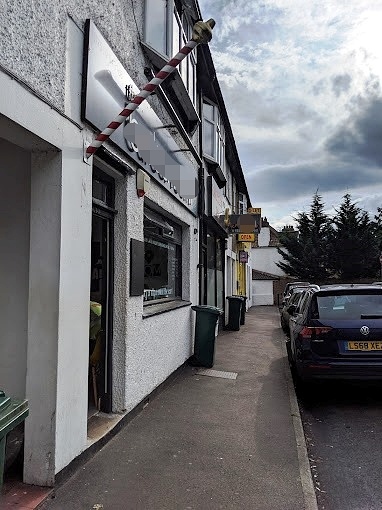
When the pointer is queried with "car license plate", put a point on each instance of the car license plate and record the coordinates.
(364, 346)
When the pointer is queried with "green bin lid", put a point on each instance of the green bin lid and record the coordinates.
(4, 401)
(207, 308)
(235, 298)
(12, 413)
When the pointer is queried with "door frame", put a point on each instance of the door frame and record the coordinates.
(106, 211)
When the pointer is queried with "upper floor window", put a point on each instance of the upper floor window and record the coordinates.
(213, 134)
(167, 30)
(241, 203)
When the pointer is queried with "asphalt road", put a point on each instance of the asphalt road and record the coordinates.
(343, 429)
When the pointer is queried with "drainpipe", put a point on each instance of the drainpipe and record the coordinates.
(201, 208)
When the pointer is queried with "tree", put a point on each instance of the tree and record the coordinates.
(306, 255)
(353, 243)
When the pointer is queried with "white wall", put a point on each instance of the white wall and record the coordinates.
(58, 287)
(264, 258)
(153, 346)
(14, 267)
(262, 292)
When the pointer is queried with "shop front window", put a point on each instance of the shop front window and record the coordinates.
(163, 253)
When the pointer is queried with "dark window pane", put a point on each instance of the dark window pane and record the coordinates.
(99, 190)
(162, 265)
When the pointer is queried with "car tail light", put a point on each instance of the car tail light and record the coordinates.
(312, 333)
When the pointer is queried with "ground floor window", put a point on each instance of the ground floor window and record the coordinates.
(163, 258)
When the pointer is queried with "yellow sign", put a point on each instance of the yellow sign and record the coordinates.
(250, 238)
(254, 210)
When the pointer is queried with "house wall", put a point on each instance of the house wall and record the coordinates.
(159, 344)
(264, 256)
(265, 259)
(57, 290)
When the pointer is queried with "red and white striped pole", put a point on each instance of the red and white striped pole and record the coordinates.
(202, 33)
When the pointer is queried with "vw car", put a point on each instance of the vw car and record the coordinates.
(336, 333)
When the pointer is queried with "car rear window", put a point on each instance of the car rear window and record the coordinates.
(351, 305)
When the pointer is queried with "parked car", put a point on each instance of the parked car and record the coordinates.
(290, 285)
(288, 291)
(292, 298)
(336, 333)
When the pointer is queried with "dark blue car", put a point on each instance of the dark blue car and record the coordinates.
(336, 333)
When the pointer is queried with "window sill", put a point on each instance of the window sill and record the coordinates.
(215, 169)
(151, 310)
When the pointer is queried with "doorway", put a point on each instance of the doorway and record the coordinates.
(101, 293)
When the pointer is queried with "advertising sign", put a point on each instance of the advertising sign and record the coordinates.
(144, 138)
(254, 210)
(249, 238)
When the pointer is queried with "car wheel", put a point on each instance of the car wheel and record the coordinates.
(304, 387)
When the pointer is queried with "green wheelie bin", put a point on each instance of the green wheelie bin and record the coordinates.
(243, 309)
(12, 413)
(205, 327)
(234, 312)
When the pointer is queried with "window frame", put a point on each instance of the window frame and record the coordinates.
(175, 22)
(218, 139)
(177, 242)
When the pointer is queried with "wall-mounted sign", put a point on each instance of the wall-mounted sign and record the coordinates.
(154, 149)
(254, 210)
(243, 256)
(250, 238)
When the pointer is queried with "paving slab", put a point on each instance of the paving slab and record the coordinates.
(207, 441)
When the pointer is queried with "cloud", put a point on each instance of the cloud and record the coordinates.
(362, 140)
(341, 83)
(279, 183)
(301, 84)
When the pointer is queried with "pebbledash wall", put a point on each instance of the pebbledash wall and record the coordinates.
(46, 221)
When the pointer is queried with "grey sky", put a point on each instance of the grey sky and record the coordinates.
(302, 86)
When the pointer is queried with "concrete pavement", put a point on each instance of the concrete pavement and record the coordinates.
(208, 441)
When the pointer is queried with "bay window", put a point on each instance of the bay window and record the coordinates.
(213, 134)
(167, 29)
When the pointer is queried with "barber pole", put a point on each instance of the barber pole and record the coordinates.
(202, 33)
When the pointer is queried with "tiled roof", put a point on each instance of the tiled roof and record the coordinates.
(261, 275)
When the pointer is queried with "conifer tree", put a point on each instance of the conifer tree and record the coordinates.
(353, 244)
(306, 256)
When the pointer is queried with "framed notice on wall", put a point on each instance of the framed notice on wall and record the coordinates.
(243, 256)
(137, 267)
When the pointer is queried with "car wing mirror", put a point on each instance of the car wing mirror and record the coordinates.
(291, 309)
